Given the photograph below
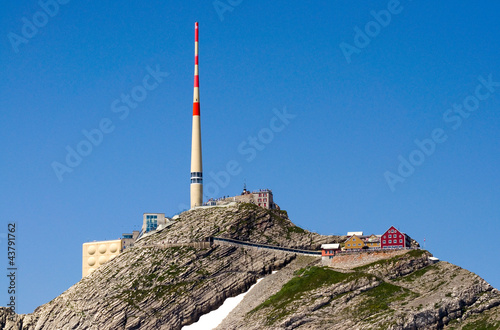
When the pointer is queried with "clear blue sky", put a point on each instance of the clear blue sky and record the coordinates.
(356, 111)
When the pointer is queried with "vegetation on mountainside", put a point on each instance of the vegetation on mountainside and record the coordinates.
(305, 280)
(376, 297)
(386, 262)
(482, 323)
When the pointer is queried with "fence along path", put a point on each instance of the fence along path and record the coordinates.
(234, 242)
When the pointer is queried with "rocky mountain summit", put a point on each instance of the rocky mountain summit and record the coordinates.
(167, 281)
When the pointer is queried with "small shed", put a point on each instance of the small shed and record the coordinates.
(433, 260)
(329, 250)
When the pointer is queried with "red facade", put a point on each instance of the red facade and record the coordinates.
(329, 250)
(394, 239)
(327, 253)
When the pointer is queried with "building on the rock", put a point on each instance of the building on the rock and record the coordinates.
(151, 221)
(373, 241)
(367, 242)
(262, 197)
(128, 240)
(354, 243)
(328, 251)
(394, 239)
(96, 254)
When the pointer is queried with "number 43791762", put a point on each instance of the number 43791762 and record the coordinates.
(11, 250)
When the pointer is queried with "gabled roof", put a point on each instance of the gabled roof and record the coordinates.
(351, 237)
(392, 227)
(372, 238)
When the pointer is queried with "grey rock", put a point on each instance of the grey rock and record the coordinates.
(153, 287)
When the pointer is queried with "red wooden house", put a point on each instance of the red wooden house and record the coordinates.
(394, 239)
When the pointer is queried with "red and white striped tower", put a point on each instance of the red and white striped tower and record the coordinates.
(196, 166)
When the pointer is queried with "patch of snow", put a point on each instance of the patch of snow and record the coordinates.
(214, 318)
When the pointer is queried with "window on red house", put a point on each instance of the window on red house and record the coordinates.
(390, 241)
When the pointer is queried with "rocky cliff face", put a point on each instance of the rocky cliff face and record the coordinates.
(153, 287)
(404, 292)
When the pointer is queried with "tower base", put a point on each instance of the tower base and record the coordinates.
(196, 194)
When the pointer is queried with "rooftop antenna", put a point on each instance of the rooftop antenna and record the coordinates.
(244, 187)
